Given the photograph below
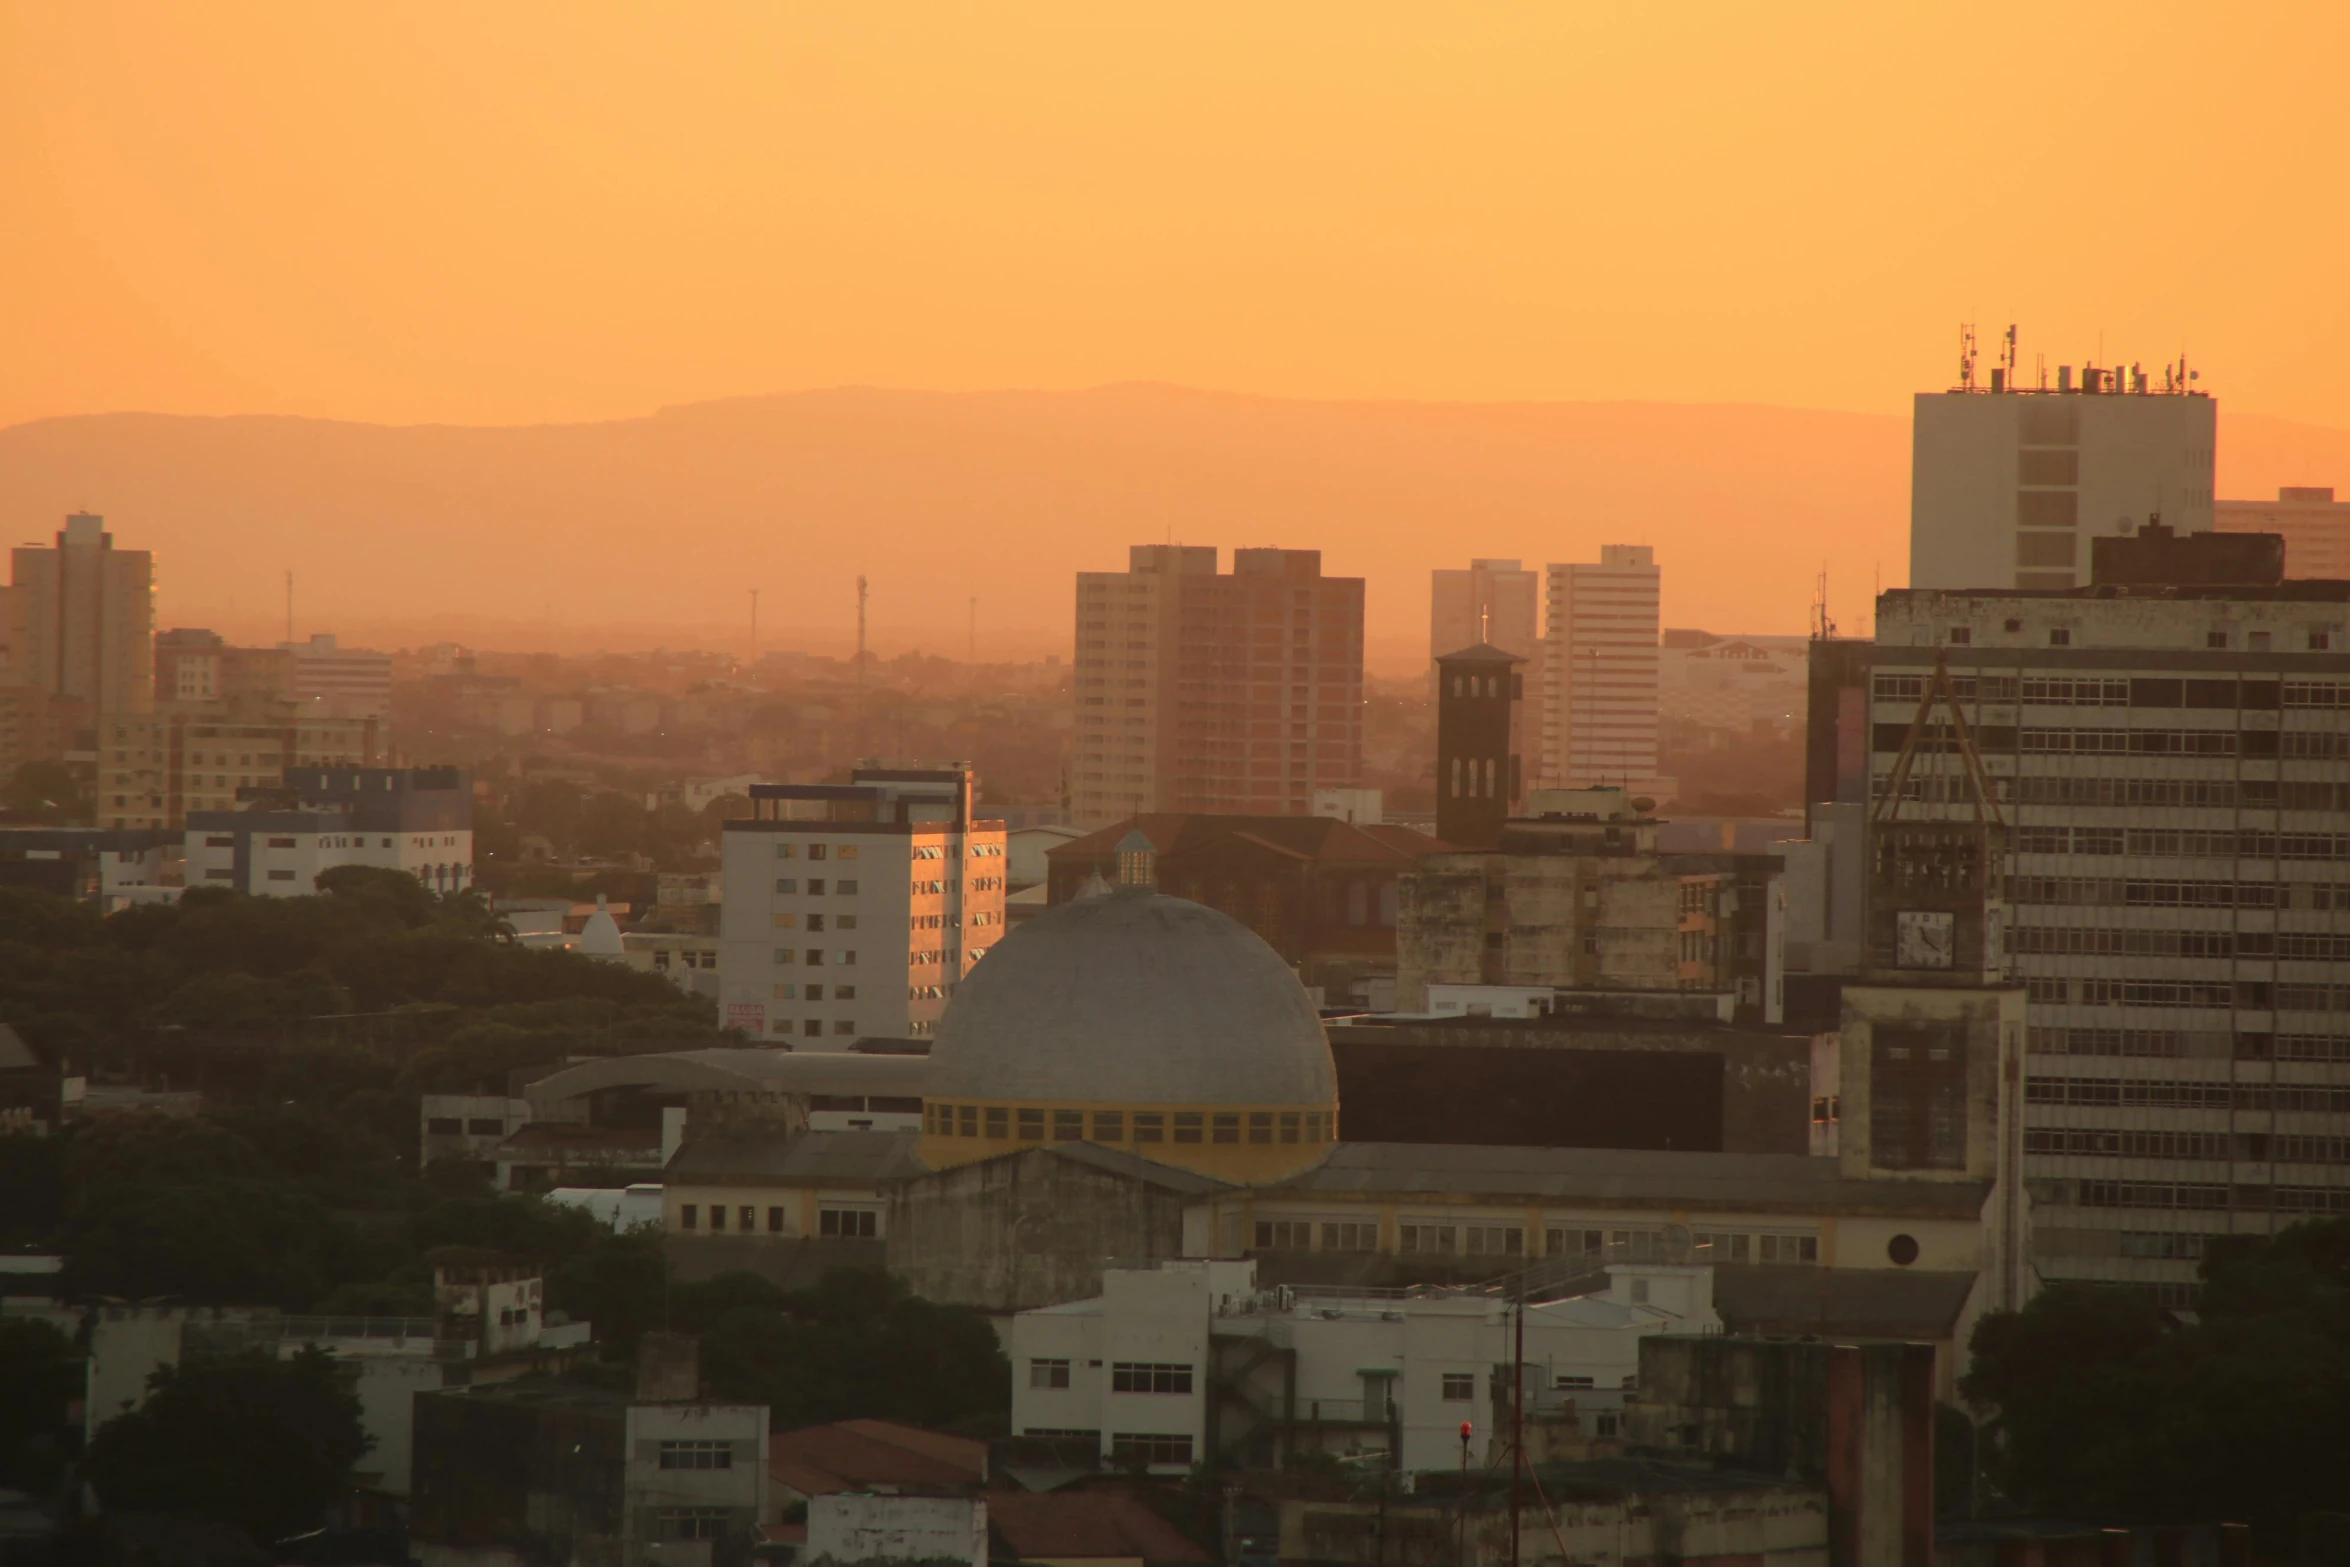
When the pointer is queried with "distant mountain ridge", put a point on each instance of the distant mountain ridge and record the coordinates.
(642, 529)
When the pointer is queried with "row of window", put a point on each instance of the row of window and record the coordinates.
(2188, 1094)
(842, 1223)
(2250, 995)
(788, 850)
(816, 957)
(1497, 1240)
(1992, 739)
(2110, 691)
(452, 1126)
(2281, 1147)
(1029, 1123)
(815, 922)
(2176, 893)
(842, 886)
(2088, 941)
(2184, 843)
(2159, 1043)
(2214, 1196)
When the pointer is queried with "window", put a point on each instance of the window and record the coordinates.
(1289, 1127)
(1260, 1126)
(1109, 1126)
(1031, 1126)
(1459, 1386)
(816, 851)
(843, 1026)
(999, 1122)
(847, 1223)
(2060, 637)
(486, 1126)
(786, 851)
(844, 992)
(697, 1455)
(848, 851)
(281, 843)
(444, 1125)
(1187, 1126)
(775, 1221)
(1350, 1237)
(1284, 1235)
(2215, 639)
(1068, 1126)
(847, 888)
(1149, 1447)
(815, 957)
(1225, 1129)
(1048, 1373)
(746, 1219)
(1425, 1238)
(1565, 1383)
(1150, 1127)
(1144, 1376)
(1960, 636)
(717, 1216)
(693, 1523)
(685, 1216)
(281, 875)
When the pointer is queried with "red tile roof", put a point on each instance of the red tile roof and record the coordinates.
(1061, 1525)
(855, 1454)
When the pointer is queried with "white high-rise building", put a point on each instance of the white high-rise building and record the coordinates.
(1494, 601)
(2007, 486)
(2315, 528)
(853, 910)
(1599, 670)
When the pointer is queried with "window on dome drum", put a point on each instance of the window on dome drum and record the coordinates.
(1289, 1126)
(1109, 1126)
(1150, 1127)
(1032, 1126)
(1260, 1126)
(1068, 1126)
(968, 1117)
(1187, 1126)
(999, 1122)
(1425, 1238)
(1350, 1237)
(1224, 1129)
(1284, 1235)
(1144, 1376)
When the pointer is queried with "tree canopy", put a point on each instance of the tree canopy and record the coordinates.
(2103, 1405)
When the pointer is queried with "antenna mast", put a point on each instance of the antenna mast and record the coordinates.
(289, 606)
(860, 665)
(1966, 356)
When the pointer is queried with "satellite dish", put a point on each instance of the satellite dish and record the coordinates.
(1680, 1245)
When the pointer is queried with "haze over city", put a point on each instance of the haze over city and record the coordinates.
(1085, 785)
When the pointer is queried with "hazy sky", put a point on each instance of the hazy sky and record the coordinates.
(515, 211)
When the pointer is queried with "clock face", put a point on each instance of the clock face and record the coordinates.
(1924, 938)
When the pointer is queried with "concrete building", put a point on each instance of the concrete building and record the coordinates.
(467, 1127)
(155, 768)
(753, 1192)
(850, 1530)
(86, 613)
(108, 870)
(1317, 890)
(2174, 768)
(1480, 772)
(1494, 601)
(1193, 1361)
(1731, 683)
(2007, 485)
(1599, 671)
(418, 820)
(856, 909)
(194, 665)
(2314, 526)
(340, 682)
(1203, 691)
(517, 1473)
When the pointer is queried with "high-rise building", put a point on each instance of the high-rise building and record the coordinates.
(2314, 526)
(1496, 602)
(853, 910)
(2007, 485)
(1202, 691)
(85, 617)
(343, 682)
(155, 768)
(194, 665)
(1599, 671)
(2172, 766)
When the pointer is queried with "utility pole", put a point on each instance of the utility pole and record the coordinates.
(1461, 1501)
(1518, 1422)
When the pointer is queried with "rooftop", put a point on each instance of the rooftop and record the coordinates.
(858, 1454)
(864, 1158)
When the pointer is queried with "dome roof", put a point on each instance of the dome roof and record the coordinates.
(1133, 998)
(600, 936)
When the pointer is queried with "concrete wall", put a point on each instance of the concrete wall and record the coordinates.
(1028, 1229)
(1542, 907)
(856, 1527)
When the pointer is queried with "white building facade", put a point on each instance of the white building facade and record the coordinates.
(1381, 1371)
(1498, 602)
(417, 820)
(1599, 671)
(2007, 487)
(854, 910)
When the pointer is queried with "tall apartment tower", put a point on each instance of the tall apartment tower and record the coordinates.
(1201, 691)
(2008, 486)
(2172, 763)
(2314, 526)
(85, 613)
(853, 910)
(1496, 602)
(1479, 777)
(1599, 670)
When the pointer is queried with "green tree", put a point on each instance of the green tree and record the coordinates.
(255, 1441)
(213, 1243)
(46, 792)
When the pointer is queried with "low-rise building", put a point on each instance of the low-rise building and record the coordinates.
(524, 1472)
(741, 1192)
(418, 820)
(108, 869)
(467, 1127)
(154, 769)
(1193, 1361)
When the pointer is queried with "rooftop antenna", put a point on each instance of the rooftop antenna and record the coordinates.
(1966, 356)
(1822, 627)
(2009, 356)
(860, 664)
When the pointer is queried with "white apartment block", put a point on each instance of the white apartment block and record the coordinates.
(341, 682)
(1376, 1370)
(853, 910)
(2174, 769)
(2007, 487)
(418, 820)
(2315, 526)
(1599, 671)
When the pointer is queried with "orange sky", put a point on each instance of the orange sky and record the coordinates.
(526, 210)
